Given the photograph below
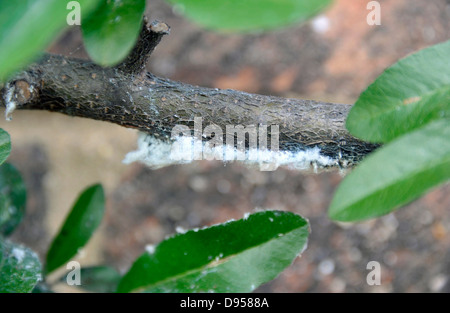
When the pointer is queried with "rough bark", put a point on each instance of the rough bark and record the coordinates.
(127, 96)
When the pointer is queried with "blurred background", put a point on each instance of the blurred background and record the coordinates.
(333, 57)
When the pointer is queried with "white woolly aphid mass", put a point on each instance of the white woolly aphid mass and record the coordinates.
(10, 103)
(157, 153)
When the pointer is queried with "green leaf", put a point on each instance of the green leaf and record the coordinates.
(20, 269)
(248, 15)
(28, 26)
(408, 95)
(98, 279)
(395, 175)
(5, 146)
(13, 198)
(78, 228)
(236, 256)
(111, 32)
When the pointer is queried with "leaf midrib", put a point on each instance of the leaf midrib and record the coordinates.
(211, 264)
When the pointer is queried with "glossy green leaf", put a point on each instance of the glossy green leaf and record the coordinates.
(408, 95)
(78, 228)
(111, 32)
(20, 269)
(248, 15)
(13, 198)
(5, 146)
(396, 174)
(236, 256)
(28, 26)
(98, 279)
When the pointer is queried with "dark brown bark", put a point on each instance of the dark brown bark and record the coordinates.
(149, 37)
(126, 96)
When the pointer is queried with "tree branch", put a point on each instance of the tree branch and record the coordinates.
(149, 38)
(155, 105)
